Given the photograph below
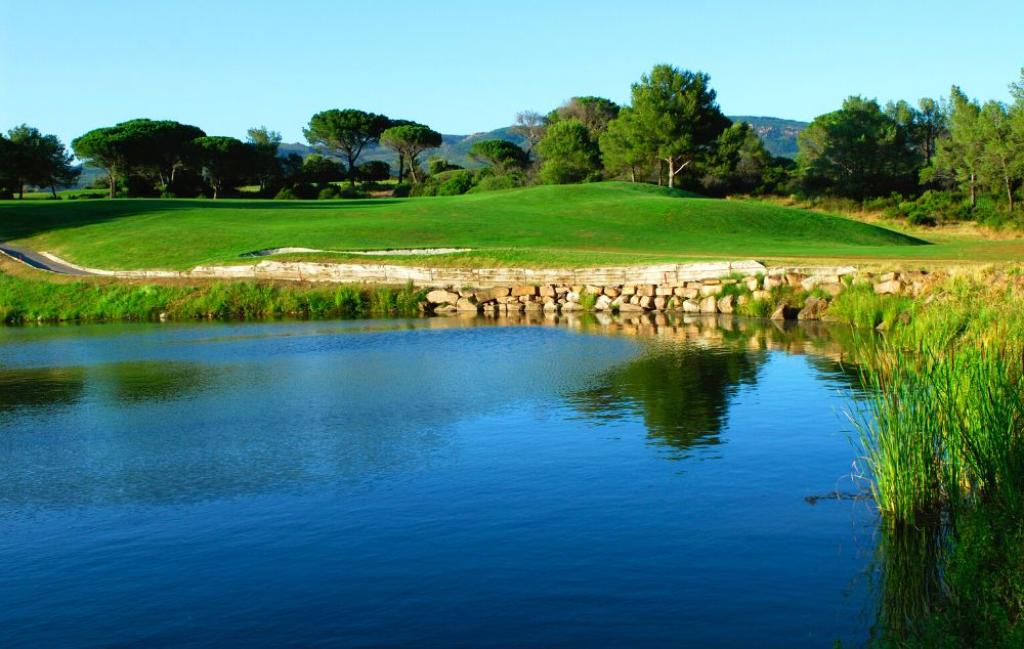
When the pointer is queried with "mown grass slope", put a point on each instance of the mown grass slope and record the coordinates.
(577, 225)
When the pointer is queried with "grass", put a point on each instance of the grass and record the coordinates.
(26, 298)
(944, 429)
(601, 223)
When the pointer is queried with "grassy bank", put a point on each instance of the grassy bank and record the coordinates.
(573, 225)
(30, 299)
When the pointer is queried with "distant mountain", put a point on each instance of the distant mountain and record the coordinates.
(454, 148)
(778, 135)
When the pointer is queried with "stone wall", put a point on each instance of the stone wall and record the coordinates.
(707, 295)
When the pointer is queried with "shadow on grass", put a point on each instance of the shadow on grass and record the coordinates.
(20, 220)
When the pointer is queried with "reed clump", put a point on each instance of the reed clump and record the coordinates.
(943, 428)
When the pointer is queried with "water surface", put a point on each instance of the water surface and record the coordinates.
(431, 483)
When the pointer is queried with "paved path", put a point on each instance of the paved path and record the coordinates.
(35, 260)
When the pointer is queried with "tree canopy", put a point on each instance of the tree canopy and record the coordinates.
(503, 156)
(348, 131)
(568, 154)
(409, 141)
(858, 151)
(224, 160)
(676, 113)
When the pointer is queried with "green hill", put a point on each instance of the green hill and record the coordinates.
(779, 135)
(600, 223)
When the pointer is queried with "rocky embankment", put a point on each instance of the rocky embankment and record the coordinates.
(786, 293)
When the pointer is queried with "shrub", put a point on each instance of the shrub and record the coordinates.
(490, 183)
(459, 182)
(286, 194)
(401, 190)
(328, 193)
(351, 192)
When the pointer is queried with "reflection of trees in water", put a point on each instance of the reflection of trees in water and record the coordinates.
(682, 391)
(682, 384)
(150, 380)
(40, 387)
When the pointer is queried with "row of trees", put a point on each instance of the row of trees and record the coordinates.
(29, 158)
(672, 132)
(946, 153)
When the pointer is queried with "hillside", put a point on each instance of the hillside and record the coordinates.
(599, 223)
(779, 135)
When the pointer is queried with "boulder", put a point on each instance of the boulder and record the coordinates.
(660, 302)
(647, 302)
(440, 296)
(629, 307)
(709, 304)
(547, 290)
(521, 290)
(710, 289)
(890, 287)
(784, 312)
(772, 281)
(663, 291)
(467, 304)
(612, 292)
(760, 295)
(813, 309)
(690, 306)
(490, 294)
(604, 303)
(727, 304)
(647, 290)
(752, 283)
(572, 306)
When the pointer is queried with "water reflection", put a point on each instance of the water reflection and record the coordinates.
(43, 387)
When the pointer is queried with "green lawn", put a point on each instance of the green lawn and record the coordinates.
(605, 223)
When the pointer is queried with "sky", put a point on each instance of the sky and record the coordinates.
(468, 66)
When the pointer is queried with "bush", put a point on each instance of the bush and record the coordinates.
(458, 182)
(401, 190)
(492, 183)
(328, 193)
(351, 192)
(426, 188)
(286, 194)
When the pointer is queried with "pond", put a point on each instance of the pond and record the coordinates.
(433, 482)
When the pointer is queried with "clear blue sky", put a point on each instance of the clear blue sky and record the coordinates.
(467, 66)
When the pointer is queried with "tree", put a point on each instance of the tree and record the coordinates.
(8, 180)
(321, 170)
(160, 147)
(104, 148)
(503, 156)
(675, 110)
(623, 147)
(348, 131)
(374, 171)
(960, 154)
(37, 159)
(225, 160)
(409, 141)
(531, 126)
(858, 151)
(568, 154)
(593, 112)
(1002, 160)
(265, 144)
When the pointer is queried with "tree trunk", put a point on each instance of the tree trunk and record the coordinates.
(21, 191)
(632, 174)
(112, 178)
(351, 170)
(671, 172)
(401, 167)
(974, 191)
(1009, 193)
(53, 190)
(412, 171)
